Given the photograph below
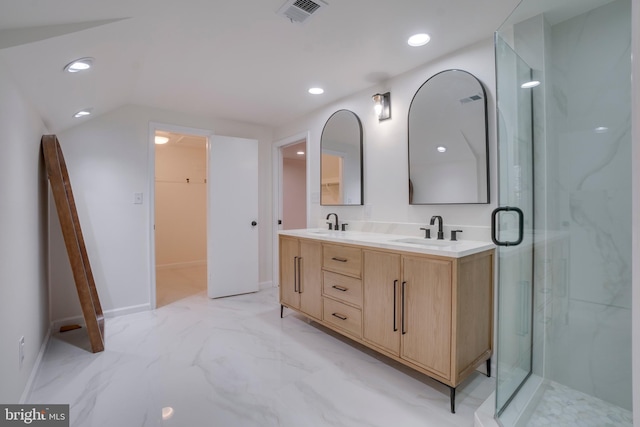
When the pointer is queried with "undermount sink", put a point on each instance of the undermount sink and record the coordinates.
(323, 232)
(425, 242)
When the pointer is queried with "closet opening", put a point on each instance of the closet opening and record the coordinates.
(180, 211)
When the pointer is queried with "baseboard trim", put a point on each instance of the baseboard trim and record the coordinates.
(127, 310)
(26, 393)
(79, 320)
(265, 285)
(185, 264)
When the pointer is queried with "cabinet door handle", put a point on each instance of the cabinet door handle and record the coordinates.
(295, 274)
(340, 288)
(299, 276)
(404, 331)
(340, 316)
(395, 303)
(339, 259)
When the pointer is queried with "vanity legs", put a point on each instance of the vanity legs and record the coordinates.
(281, 310)
(452, 390)
(452, 398)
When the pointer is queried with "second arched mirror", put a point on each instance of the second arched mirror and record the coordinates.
(341, 160)
(448, 141)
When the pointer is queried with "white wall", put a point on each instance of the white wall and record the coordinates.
(24, 307)
(385, 146)
(108, 161)
(181, 206)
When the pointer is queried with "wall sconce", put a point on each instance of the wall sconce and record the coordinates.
(382, 105)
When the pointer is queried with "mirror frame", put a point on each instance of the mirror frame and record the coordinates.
(486, 143)
(360, 158)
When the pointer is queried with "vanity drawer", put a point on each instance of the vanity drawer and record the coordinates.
(342, 259)
(344, 288)
(343, 316)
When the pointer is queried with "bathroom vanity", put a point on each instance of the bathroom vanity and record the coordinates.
(425, 303)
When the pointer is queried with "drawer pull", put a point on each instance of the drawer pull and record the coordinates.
(404, 331)
(340, 316)
(339, 259)
(340, 288)
(395, 304)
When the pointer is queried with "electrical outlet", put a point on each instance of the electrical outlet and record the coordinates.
(21, 351)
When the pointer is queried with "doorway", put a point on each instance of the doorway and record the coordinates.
(180, 216)
(291, 191)
(294, 186)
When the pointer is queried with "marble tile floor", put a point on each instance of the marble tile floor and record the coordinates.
(233, 362)
(562, 406)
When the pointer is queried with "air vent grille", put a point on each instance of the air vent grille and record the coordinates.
(307, 5)
(300, 10)
(470, 99)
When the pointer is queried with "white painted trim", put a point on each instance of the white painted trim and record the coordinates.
(276, 157)
(26, 393)
(265, 285)
(108, 314)
(117, 312)
(185, 264)
(153, 127)
(635, 226)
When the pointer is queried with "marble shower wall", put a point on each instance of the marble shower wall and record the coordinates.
(588, 172)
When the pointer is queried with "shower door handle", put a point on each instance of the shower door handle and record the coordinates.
(494, 226)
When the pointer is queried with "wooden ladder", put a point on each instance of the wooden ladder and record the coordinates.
(73, 240)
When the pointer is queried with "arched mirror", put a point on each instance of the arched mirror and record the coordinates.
(448, 160)
(341, 160)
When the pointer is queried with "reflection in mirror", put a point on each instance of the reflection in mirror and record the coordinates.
(341, 160)
(448, 159)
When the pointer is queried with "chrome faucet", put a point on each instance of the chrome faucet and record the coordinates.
(336, 223)
(433, 220)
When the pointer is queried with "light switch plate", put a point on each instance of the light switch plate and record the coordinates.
(137, 198)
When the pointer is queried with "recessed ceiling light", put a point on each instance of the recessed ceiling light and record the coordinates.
(82, 113)
(529, 85)
(161, 140)
(419, 39)
(167, 412)
(300, 153)
(316, 91)
(79, 65)
(441, 149)
(601, 129)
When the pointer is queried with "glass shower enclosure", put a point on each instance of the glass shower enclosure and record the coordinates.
(563, 224)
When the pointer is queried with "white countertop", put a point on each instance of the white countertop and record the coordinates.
(447, 248)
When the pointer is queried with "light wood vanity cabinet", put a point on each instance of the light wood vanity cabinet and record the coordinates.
(407, 309)
(431, 313)
(300, 275)
(381, 300)
(342, 288)
(426, 333)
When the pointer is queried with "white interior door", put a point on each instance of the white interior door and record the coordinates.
(233, 215)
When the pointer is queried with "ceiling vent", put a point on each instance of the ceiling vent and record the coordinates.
(300, 10)
(470, 99)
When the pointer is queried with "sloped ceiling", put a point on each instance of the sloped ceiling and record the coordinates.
(229, 59)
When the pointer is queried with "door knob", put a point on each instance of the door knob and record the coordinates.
(253, 223)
